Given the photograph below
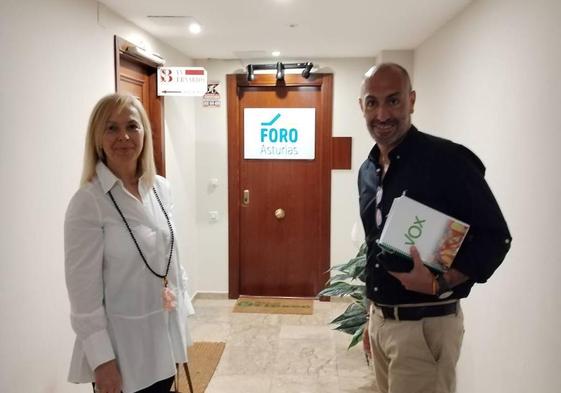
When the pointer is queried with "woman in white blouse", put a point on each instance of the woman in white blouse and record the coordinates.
(127, 289)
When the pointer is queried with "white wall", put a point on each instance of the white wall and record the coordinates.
(212, 162)
(405, 58)
(490, 80)
(57, 62)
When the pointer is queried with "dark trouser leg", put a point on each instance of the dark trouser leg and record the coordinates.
(162, 386)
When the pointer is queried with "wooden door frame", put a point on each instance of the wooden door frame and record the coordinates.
(156, 102)
(234, 82)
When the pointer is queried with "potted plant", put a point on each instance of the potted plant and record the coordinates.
(349, 280)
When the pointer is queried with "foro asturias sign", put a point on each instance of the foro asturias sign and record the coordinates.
(279, 133)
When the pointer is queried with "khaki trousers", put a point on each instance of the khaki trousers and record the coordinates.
(416, 356)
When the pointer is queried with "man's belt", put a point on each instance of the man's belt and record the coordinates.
(416, 313)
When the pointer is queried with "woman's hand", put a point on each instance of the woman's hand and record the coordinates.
(108, 378)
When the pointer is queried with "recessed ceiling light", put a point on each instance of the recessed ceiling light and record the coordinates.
(275, 53)
(194, 28)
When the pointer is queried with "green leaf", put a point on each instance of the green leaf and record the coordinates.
(352, 264)
(348, 331)
(338, 277)
(355, 306)
(358, 296)
(357, 337)
(355, 321)
(358, 268)
(348, 280)
(340, 288)
(350, 313)
(362, 250)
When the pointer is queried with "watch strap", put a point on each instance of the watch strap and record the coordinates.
(444, 290)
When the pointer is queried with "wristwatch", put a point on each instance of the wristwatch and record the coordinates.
(444, 290)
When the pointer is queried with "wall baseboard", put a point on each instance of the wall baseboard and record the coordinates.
(210, 295)
(224, 296)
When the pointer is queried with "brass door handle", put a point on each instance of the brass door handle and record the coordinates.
(280, 214)
(245, 199)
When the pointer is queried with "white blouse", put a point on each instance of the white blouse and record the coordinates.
(116, 302)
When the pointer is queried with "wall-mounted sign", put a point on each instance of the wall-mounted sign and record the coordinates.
(181, 81)
(211, 98)
(279, 133)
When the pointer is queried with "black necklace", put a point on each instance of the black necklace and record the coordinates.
(162, 276)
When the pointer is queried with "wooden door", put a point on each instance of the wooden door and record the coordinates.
(134, 78)
(138, 78)
(271, 256)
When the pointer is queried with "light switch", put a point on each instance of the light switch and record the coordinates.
(213, 215)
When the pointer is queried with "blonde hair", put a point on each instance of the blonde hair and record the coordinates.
(93, 151)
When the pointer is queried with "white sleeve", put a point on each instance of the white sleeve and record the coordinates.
(186, 297)
(83, 253)
(164, 184)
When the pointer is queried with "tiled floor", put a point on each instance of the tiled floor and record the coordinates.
(268, 353)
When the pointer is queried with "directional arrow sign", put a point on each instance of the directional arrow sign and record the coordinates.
(182, 81)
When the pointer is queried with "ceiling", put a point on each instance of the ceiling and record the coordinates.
(307, 29)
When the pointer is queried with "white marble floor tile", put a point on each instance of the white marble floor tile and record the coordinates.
(358, 385)
(239, 384)
(305, 357)
(304, 384)
(350, 362)
(250, 335)
(210, 331)
(244, 360)
(271, 353)
(302, 332)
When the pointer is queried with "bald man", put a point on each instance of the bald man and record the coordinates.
(415, 327)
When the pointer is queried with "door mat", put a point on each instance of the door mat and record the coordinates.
(203, 359)
(273, 305)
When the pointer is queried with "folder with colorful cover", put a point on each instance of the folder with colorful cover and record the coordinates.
(437, 236)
